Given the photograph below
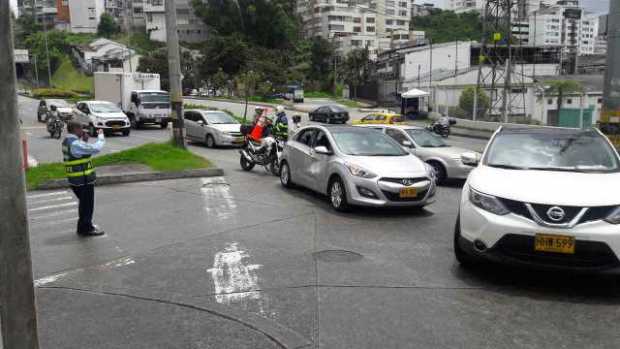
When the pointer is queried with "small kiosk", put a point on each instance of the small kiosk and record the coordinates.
(414, 104)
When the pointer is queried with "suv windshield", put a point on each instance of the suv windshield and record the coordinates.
(368, 143)
(104, 108)
(546, 151)
(215, 118)
(154, 97)
(426, 139)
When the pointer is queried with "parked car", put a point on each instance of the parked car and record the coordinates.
(379, 118)
(444, 158)
(107, 116)
(542, 197)
(330, 114)
(356, 166)
(63, 107)
(214, 128)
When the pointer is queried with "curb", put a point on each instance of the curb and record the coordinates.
(137, 177)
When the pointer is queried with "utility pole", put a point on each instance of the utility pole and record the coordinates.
(47, 52)
(174, 66)
(18, 310)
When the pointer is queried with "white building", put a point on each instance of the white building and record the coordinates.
(45, 10)
(85, 15)
(565, 25)
(189, 27)
(460, 6)
(376, 24)
(106, 55)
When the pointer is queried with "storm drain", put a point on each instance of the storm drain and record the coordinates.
(337, 256)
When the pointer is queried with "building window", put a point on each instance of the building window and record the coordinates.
(389, 21)
(357, 20)
(550, 101)
(336, 27)
(400, 22)
(390, 3)
(403, 13)
(569, 101)
(370, 20)
(357, 29)
(149, 17)
(389, 12)
(336, 18)
(403, 4)
(370, 29)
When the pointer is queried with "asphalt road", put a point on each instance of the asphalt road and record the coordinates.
(240, 262)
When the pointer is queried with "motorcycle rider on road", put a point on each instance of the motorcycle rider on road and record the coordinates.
(280, 126)
(262, 131)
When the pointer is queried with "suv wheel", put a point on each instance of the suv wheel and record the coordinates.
(440, 172)
(210, 142)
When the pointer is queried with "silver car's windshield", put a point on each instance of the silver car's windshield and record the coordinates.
(426, 139)
(60, 103)
(367, 143)
(215, 118)
(580, 152)
(104, 108)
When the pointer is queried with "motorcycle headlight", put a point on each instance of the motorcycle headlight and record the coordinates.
(487, 202)
(614, 217)
(358, 171)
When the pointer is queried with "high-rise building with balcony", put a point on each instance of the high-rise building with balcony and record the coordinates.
(373, 24)
(189, 27)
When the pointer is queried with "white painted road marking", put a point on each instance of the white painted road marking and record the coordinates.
(64, 198)
(58, 213)
(56, 193)
(50, 207)
(233, 279)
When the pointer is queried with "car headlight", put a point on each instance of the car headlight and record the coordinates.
(614, 217)
(487, 202)
(358, 171)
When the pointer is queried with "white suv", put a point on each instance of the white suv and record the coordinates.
(542, 197)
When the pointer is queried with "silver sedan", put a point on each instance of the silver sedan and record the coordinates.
(445, 159)
(213, 128)
(356, 166)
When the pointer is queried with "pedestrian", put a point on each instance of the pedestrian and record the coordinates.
(77, 153)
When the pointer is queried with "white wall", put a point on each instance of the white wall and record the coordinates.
(444, 59)
(85, 15)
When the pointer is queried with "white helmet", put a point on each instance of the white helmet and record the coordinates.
(279, 109)
(259, 108)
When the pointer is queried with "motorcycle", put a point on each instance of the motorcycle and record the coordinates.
(441, 126)
(254, 153)
(55, 127)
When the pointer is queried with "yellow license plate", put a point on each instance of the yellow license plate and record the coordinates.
(554, 243)
(408, 193)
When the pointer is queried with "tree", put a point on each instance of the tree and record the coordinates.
(356, 69)
(562, 88)
(246, 86)
(157, 62)
(107, 26)
(466, 102)
(219, 79)
(447, 26)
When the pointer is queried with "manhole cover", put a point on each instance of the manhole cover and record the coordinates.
(337, 256)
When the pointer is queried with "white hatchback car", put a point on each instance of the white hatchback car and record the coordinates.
(542, 197)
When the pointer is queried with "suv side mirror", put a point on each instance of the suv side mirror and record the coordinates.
(407, 144)
(200, 122)
(470, 159)
(321, 149)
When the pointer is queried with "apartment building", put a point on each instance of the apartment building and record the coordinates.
(137, 18)
(374, 24)
(85, 15)
(460, 6)
(565, 25)
(189, 27)
(45, 10)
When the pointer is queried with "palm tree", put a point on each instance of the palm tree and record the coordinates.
(562, 88)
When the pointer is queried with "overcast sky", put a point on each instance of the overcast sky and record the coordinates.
(591, 5)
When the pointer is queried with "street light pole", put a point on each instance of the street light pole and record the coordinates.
(47, 52)
(174, 66)
(18, 310)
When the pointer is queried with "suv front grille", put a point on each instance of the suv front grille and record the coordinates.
(115, 123)
(400, 180)
(588, 254)
(592, 214)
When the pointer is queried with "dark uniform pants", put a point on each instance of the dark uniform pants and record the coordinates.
(86, 195)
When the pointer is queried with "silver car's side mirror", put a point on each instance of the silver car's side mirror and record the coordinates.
(321, 149)
(470, 159)
(201, 122)
(407, 144)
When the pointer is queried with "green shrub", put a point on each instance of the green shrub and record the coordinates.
(53, 92)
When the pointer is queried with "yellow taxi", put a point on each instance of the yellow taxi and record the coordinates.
(379, 118)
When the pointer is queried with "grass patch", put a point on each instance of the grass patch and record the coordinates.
(163, 157)
(348, 103)
(53, 92)
(66, 77)
(318, 94)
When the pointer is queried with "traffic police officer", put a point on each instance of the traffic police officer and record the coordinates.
(77, 153)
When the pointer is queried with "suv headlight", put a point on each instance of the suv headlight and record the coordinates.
(614, 217)
(358, 171)
(487, 202)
